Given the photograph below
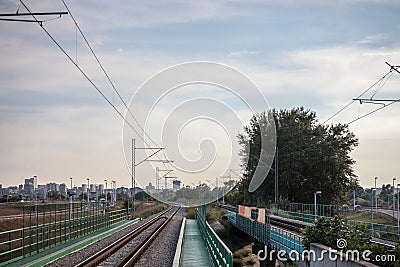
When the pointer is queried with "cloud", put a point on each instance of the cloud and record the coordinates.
(55, 124)
(242, 53)
(373, 39)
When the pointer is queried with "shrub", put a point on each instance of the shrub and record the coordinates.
(237, 263)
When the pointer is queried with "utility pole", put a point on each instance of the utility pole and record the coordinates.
(376, 196)
(276, 175)
(398, 215)
(394, 203)
(105, 191)
(216, 186)
(134, 165)
(88, 191)
(133, 175)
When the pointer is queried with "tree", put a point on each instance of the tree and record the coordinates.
(312, 157)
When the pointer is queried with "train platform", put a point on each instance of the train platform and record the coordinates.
(194, 250)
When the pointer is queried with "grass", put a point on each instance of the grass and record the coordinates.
(214, 213)
(190, 213)
(365, 216)
(147, 210)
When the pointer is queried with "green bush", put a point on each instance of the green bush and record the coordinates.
(237, 263)
(250, 262)
(327, 231)
(190, 213)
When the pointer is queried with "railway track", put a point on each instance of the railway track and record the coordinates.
(287, 224)
(128, 249)
(291, 225)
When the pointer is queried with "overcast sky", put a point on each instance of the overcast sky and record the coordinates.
(316, 54)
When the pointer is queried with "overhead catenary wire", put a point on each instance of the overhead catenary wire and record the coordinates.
(82, 72)
(373, 111)
(88, 78)
(105, 72)
(352, 101)
(77, 27)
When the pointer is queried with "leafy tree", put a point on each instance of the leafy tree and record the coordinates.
(312, 157)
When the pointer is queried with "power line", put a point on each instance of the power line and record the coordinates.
(88, 78)
(105, 72)
(80, 69)
(111, 83)
(352, 101)
(377, 101)
(375, 110)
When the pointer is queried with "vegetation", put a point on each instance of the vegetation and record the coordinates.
(328, 231)
(191, 213)
(365, 216)
(214, 213)
(250, 262)
(312, 157)
(237, 263)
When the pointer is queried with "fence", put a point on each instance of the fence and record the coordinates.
(48, 225)
(382, 231)
(276, 237)
(219, 252)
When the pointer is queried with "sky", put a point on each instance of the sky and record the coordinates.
(316, 54)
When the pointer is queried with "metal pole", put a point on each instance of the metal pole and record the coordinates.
(398, 217)
(88, 192)
(216, 186)
(372, 211)
(157, 181)
(69, 215)
(315, 204)
(376, 196)
(115, 193)
(105, 192)
(276, 175)
(71, 182)
(133, 174)
(394, 204)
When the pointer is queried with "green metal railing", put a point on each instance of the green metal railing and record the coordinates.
(219, 252)
(47, 225)
(382, 231)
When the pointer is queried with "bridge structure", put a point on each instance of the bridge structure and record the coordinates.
(50, 232)
(281, 230)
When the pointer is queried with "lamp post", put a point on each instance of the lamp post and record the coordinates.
(372, 211)
(376, 196)
(114, 196)
(69, 209)
(398, 217)
(105, 191)
(315, 203)
(70, 178)
(394, 203)
(88, 191)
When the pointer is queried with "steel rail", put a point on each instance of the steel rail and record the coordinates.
(101, 255)
(134, 255)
